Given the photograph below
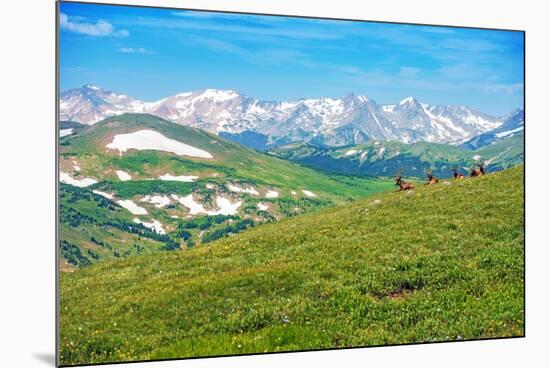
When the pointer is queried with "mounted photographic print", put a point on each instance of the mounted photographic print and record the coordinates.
(234, 183)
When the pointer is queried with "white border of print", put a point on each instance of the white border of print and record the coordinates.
(27, 238)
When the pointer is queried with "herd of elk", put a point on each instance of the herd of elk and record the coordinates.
(478, 169)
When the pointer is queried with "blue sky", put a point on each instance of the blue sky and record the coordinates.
(153, 53)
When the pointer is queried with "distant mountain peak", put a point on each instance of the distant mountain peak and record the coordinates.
(352, 97)
(408, 101)
(91, 86)
(219, 94)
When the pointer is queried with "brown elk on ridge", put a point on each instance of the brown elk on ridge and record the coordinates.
(478, 172)
(431, 179)
(403, 185)
(456, 174)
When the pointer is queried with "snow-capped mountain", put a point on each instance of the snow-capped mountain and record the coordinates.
(351, 119)
(513, 124)
(90, 104)
(442, 124)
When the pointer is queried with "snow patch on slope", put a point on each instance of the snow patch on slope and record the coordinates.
(132, 207)
(123, 176)
(237, 189)
(104, 194)
(81, 183)
(154, 225)
(183, 178)
(226, 207)
(508, 132)
(152, 140)
(158, 200)
(272, 194)
(65, 132)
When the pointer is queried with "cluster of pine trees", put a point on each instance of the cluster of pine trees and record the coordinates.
(232, 228)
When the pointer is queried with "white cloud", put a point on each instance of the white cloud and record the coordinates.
(135, 50)
(101, 28)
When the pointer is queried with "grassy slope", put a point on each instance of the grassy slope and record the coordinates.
(506, 153)
(442, 263)
(385, 158)
(87, 223)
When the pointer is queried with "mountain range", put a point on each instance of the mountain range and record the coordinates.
(512, 126)
(349, 120)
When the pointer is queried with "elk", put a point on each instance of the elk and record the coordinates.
(456, 174)
(403, 185)
(430, 178)
(478, 172)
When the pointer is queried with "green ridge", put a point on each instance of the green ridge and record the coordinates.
(386, 158)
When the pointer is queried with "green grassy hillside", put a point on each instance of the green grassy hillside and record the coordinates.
(230, 159)
(385, 158)
(88, 234)
(93, 228)
(444, 262)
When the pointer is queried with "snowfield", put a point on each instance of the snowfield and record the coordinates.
(81, 183)
(151, 140)
(272, 194)
(237, 189)
(154, 225)
(508, 132)
(262, 206)
(309, 194)
(195, 208)
(123, 176)
(132, 207)
(158, 200)
(226, 207)
(183, 178)
(65, 132)
(104, 194)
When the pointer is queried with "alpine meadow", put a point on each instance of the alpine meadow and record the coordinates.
(240, 184)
